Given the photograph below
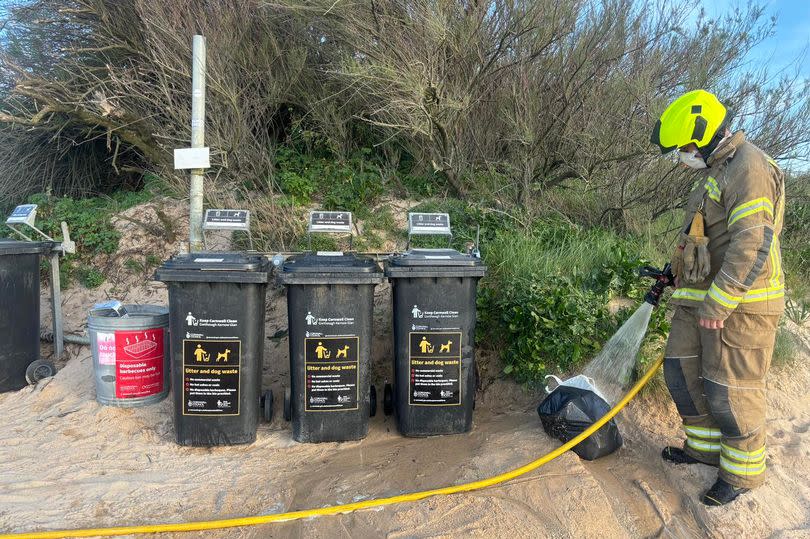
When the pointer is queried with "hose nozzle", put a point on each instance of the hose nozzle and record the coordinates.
(663, 278)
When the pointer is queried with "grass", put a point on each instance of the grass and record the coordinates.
(785, 349)
(552, 249)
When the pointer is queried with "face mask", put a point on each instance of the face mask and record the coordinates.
(691, 159)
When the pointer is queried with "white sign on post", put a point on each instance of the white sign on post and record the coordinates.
(429, 223)
(219, 219)
(23, 215)
(191, 158)
(330, 221)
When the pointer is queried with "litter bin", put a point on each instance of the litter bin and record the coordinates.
(130, 354)
(216, 325)
(19, 310)
(434, 294)
(330, 302)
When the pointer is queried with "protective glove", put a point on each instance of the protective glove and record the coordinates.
(696, 259)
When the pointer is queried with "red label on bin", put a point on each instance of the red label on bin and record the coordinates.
(138, 363)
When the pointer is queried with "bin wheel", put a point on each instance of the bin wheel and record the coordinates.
(267, 405)
(38, 370)
(388, 399)
(372, 401)
(287, 404)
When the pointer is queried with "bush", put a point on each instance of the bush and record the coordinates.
(796, 237)
(353, 185)
(549, 324)
(90, 227)
(90, 277)
(784, 349)
(545, 300)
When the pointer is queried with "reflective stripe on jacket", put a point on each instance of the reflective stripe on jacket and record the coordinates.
(743, 204)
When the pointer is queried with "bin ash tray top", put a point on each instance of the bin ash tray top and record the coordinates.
(116, 309)
(14, 247)
(215, 267)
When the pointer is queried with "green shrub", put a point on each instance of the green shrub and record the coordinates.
(90, 277)
(90, 227)
(298, 188)
(784, 349)
(319, 242)
(796, 246)
(353, 184)
(421, 186)
(549, 324)
(88, 219)
(545, 300)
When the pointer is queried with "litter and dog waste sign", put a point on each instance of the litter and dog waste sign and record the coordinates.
(331, 366)
(429, 223)
(434, 368)
(330, 221)
(211, 377)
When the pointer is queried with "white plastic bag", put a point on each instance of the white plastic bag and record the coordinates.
(579, 381)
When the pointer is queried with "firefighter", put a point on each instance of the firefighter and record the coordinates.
(729, 294)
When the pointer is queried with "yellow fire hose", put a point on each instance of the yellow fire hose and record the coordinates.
(349, 507)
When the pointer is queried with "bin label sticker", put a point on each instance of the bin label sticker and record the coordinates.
(329, 321)
(418, 312)
(138, 363)
(211, 377)
(105, 348)
(434, 364)
(331, 365)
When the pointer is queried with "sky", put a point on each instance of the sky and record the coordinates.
(792, 29)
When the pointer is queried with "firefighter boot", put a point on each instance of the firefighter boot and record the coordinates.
(722, 493)
(677, 455)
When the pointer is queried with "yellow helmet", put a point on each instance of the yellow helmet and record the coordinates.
(696, 117)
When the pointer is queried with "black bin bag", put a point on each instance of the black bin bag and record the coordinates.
(567, 411)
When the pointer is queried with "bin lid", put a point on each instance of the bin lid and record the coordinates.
(434, 257)
(434, 263)
(330, 262)
(215, 267)
(15, 247)
(328, 267)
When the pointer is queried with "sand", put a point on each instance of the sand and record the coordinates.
(68, 462)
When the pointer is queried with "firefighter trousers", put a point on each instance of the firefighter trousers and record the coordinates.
(717, 380)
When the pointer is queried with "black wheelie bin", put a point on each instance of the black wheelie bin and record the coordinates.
(216, 325)
(19, 310)
(434, 292)
(330, 302)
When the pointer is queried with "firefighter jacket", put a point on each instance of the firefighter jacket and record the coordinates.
(742, 199)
